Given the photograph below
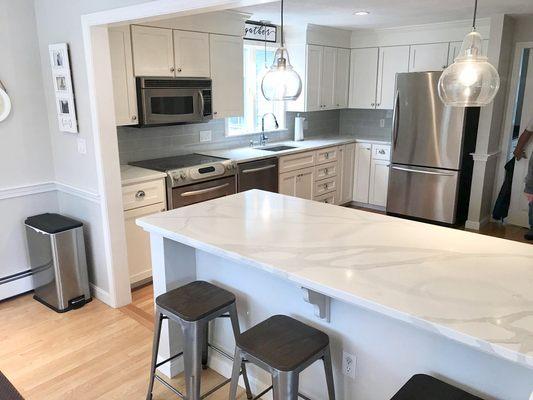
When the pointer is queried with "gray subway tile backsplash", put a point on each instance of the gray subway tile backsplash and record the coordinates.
(144, 143)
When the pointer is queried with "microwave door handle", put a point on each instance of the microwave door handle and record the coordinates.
(202, 103)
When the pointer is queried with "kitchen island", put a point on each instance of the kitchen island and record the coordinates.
(404, 297)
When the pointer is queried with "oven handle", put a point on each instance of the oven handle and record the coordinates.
(202, 191)
(202, 103)
(250, 171)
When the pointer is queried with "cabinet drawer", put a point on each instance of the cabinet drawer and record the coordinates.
(380, 152)
(143, 194)
(325, 186)
(327, 155)
(326, 170)
(328, 198)
(296, 161)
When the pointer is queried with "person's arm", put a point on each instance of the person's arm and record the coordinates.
(522, 143)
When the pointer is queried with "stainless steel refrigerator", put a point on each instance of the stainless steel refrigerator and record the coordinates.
(431, 170)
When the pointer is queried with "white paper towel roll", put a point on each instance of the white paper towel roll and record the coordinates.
(299, 128)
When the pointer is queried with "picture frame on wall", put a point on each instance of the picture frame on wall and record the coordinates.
(62, 81)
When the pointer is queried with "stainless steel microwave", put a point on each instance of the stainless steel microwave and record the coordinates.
(170, 101)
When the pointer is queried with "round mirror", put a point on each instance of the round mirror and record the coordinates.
(5, 103)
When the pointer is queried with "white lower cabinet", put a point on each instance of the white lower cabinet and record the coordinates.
(298, 183)
(151, 200)
(379, 181)
(371, 175)
(346, 170)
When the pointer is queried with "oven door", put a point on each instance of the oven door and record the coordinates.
(171, 105)
(198, 192)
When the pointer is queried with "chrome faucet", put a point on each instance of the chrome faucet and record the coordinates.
(262, 137)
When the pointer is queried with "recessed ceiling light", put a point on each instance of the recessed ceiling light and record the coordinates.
(361, 13)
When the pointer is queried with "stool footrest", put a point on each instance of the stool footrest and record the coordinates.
(170, 387)
(168, 359)
(220, 351)
(270, 388)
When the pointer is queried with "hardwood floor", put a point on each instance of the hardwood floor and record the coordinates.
(96, 352)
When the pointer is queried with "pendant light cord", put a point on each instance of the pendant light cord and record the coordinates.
(282, 38)
(475, 13)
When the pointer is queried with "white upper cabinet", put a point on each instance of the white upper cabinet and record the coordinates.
(123, 79)
(455, 48)
(327, 87)
(153, 51)
(392, 60)
(226, 53)
(191, 54)
(342, 78)
(363, 77)
(313, 77)
(428, 57)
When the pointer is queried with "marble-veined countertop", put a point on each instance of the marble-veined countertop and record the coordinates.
(474, 289)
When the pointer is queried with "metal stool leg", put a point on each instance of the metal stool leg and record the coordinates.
(205, 346)
(285, 385)
(192, 358)
(237, 361)
(155, 349)
(236, 332)
(329, 374)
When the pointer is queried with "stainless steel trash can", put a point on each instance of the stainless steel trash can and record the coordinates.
(58, 262)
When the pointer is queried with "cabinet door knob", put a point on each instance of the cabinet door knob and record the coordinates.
(171, 69)
(179, 69)
(372, 104)
(140, 194)
(133, 117)
(215, 113)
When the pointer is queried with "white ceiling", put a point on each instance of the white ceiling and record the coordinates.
(383, 13)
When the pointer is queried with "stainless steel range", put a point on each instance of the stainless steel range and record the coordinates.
(193, 178)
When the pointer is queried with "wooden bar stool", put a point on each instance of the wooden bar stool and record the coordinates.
(424, 387)
(284, 347)
(192, 306)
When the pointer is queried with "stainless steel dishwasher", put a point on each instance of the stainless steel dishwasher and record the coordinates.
(261, 174)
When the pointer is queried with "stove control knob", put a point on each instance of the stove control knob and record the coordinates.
(183, 175)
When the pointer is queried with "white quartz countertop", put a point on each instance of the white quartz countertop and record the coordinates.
(244, 154)
(474, 289)
(130, 175)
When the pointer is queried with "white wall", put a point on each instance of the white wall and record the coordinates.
(25, 148)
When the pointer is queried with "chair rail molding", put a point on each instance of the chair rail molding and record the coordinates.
(44, 187)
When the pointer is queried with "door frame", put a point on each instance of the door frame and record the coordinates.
(100, 88)
(506, 138)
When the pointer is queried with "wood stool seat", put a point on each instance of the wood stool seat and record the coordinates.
(195, 300)
(424, 387)
(283, 342)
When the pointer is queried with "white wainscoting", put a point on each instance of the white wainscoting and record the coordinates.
(17, 203)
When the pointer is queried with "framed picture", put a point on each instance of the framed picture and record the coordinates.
(62, 81)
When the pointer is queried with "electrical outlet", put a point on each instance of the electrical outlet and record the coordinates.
(205, 136)
(348, 365)
(82, 146)
(382, 123)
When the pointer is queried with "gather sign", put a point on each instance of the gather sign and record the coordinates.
(260, 31)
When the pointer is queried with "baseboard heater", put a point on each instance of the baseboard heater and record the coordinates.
(15, 284)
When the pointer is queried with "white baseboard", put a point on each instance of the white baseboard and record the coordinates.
(101, 294)
(366, 205)
(140, 278)
(16, 287)
(476, 225)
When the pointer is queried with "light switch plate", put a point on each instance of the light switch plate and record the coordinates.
(205, 136)
(82, 146)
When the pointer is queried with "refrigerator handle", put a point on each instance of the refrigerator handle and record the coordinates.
(395, 119)
(418, 171)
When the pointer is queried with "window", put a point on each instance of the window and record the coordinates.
(255, 105)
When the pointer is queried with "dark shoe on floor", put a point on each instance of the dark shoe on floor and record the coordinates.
(529, 235)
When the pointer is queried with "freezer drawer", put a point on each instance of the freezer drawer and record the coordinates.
(426, 193)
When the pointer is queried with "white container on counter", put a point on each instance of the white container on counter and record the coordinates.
(298, 128)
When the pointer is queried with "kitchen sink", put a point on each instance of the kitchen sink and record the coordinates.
(277, 148)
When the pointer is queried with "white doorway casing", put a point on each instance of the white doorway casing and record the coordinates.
(98, 63)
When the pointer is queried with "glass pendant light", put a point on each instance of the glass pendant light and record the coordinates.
(281, 82)
(471, 81)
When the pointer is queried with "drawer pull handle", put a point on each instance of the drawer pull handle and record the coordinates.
(381, 151)
(140, 194)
